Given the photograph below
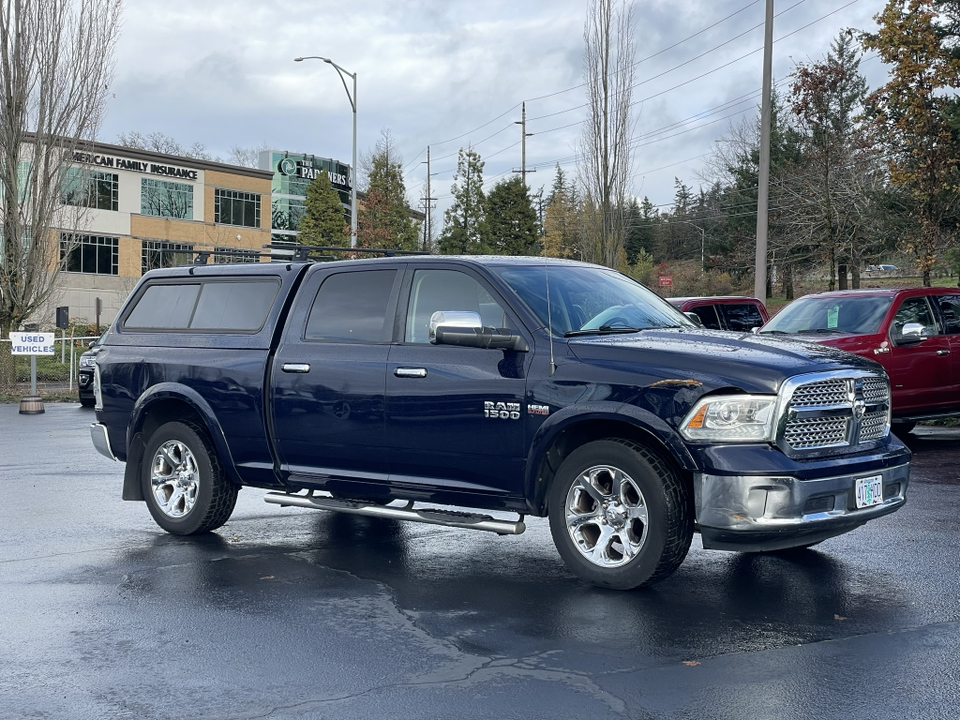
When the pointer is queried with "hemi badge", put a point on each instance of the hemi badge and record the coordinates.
(538, 409)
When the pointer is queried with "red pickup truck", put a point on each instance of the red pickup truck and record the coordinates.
(914, 333)
(724, 312)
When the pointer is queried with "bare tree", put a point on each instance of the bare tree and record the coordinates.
(605, 157)
(247, 156)
(161, 143)
(56, 65)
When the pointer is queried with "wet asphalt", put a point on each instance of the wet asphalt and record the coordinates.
(290, 613)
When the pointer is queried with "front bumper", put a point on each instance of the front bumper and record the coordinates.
(758, 513)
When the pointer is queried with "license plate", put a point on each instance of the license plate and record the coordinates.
(869, 491)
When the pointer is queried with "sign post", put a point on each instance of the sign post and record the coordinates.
(32, 344)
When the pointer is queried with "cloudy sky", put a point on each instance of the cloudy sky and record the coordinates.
(450, 73)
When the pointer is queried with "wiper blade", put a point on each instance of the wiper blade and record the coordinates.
(820, 331)
(603, 330)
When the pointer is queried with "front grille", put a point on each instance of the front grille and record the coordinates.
(873, 426)
(820, 394)
(830, 411)
(806, 433)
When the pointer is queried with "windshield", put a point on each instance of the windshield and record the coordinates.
(860, 315)
(589, 299)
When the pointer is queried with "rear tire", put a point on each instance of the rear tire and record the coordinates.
(183, 482)
(620, 516)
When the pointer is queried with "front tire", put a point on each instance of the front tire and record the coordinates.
(183, 482)
(620, 516)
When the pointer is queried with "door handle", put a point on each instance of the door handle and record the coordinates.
(943, 352)
(295, 367)
(410, 372)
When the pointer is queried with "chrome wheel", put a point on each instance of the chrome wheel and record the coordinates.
(606, 516)
(174, 479)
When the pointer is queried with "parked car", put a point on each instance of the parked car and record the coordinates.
(883, 269)
(724, 312)
(85, 372)
(523, 385)
(914, 333)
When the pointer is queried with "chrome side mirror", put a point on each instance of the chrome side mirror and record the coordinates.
(453, 319)
(694, 318)
(912, 332)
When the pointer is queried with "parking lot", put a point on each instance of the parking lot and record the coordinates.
(288, 613)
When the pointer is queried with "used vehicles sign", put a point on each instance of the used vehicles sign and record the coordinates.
(25, 343)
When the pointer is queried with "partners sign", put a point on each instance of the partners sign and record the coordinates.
(31, 343)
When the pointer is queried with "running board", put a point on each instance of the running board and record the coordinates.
(448, 518)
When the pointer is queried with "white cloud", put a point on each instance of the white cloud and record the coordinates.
(221, 72)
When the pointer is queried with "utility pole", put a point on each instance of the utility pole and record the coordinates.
(427, 207)
(523, 145)
(763, 179)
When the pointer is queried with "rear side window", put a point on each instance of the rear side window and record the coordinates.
(708, 316)
(741, 317)
(352, 307)
(950, 309)
(224, 306)
(164, 306)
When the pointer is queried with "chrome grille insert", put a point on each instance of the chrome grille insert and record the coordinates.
(828, 392)
(827, 411)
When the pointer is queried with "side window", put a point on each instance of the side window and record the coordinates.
(225, 306)
(742, 317)
(950, 309)
(708, 316)
(352, 307)
(433, 290)
(164, 306)
(234, 305)
(914, 310)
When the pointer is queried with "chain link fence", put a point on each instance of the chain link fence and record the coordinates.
(56, 374)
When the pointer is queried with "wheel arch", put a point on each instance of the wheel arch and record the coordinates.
(163, 403)
(575, 426)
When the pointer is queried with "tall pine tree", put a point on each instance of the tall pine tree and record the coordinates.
(465, 229)
(324, 222)
(384, 219)
(511, 219)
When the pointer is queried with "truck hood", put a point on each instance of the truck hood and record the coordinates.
(754, 363)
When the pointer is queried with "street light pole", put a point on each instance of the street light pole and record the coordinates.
(353, 105)
(703, 266)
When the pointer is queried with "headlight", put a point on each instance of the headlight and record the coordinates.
(731, 418)
(88, 360)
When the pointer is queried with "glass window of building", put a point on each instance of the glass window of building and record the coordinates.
(234, 255)
(90, 188)
(164, 254)
(160, 198)
(232, 207)
(92, 254)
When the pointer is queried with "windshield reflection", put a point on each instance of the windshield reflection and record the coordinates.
(860, 315)
(589, 299)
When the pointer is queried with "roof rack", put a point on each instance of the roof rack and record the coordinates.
(299, 253)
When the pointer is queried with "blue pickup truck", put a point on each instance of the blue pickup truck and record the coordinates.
(440, 389)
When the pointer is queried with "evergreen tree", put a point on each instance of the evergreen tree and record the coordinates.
(561, 226)
(465, 230)
(832, 186)
(642, 219)
(323, 223)
(512, 219)
(384, 219)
